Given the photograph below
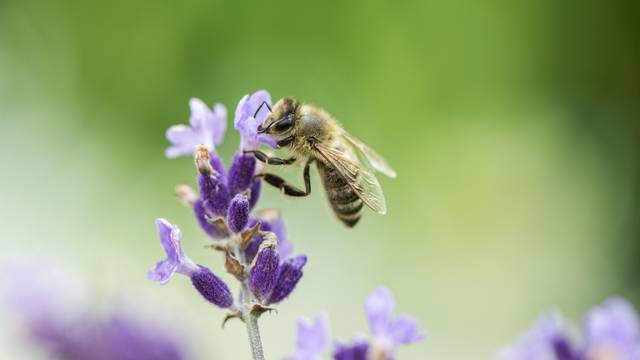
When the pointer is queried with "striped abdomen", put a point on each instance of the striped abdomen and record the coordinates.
(346, 204)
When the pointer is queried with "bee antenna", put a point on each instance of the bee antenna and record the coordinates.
(260, 107)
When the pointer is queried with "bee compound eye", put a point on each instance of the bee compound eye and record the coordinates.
(284, 124)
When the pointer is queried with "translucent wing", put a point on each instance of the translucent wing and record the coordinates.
(359, 177)
(377, 161)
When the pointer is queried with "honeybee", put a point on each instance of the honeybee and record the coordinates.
(345, 164)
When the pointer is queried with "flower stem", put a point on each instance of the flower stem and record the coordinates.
(250, 320)
(254, 336)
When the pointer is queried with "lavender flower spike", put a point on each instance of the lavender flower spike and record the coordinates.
(389, 332)
(312, 339)
(207, 128)
(176, 260)
(247, 125)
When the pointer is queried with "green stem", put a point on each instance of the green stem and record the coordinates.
(250, 320)
(254, 336)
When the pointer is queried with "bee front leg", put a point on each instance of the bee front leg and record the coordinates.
(288, 189)
(269, 159)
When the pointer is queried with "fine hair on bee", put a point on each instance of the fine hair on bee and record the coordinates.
(345, 164)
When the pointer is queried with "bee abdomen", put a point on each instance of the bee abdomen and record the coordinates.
(349, 213)
(345, 202)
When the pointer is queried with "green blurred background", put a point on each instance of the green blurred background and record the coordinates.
(513, 126)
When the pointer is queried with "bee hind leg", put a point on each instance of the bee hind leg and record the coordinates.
(269, 159)
(288, 189)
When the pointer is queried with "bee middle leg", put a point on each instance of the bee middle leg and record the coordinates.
(270, 159)
(288, 189)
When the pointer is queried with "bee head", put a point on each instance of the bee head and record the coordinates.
(281, 119)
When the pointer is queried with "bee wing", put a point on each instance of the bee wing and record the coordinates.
(376, 160)
(359, 177)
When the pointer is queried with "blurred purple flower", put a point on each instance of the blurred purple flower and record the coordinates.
(312, 338)
(355, 350)
(388, 331)
(247, 125)
(610, 332)
(86, 337)
(207, 128)
(58, 318)
(546, 340)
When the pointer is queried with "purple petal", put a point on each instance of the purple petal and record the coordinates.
(405, 330)
(238, 214)
(176, 260)
(183, 140)
(211, 287)
(247, 125)
(612, 329)
(211, 125)
(284, 247)
(163, 271)
(312, 338)
(289, 274)
(219, 127)
(207, 128)
(538, 342)
(200, 113)
(379, 307)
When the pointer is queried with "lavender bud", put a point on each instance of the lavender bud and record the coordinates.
(186, 195)
(217, 165)
(255, 193)
(201, 217)
(289, 273)
(238, 214)
(253, 245)
(241, 171)
(214, 194)
(211, 287)
(252, 248)
(264, 270)
(213, 191)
